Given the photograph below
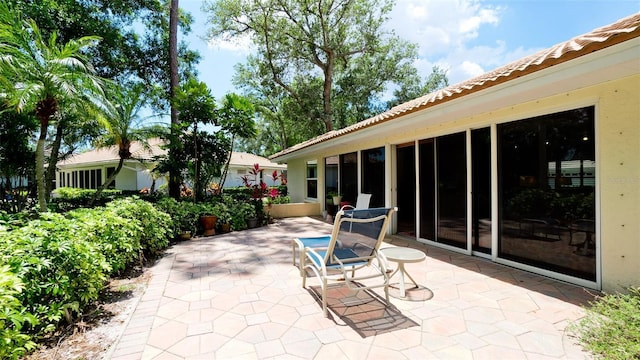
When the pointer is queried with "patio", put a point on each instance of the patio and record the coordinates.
(237, 296)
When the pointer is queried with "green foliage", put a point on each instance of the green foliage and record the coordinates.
(221, 210)
(117, 237)
(316, 68)
(536, 203)
(40, 75)
(61, 270)
(155, 225)
(67, 198)
(13, 342)
(184, 214)
(611, 328)
(64, 261)
(280, 200)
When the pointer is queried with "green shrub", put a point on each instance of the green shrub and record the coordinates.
(156, 225)
(13, 342)
(60, 269)
(117, 237)
(66, 198)
(611, 329)
(184, 214)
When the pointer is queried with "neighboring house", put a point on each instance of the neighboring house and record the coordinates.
(534, 165)
(90, 169)
(241, 163)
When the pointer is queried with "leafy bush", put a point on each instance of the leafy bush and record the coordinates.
(611, 328)
(117, 237)
(66, 198)
(155, 225)
(184, 214)
(60, 269)
(13, 342)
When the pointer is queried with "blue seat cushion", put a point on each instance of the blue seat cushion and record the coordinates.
(344, 254)
(316, 242)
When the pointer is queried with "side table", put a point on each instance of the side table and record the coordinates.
(403, 255)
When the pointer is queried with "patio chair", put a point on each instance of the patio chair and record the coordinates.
(359, 234)
(321, 242)
(362, 202)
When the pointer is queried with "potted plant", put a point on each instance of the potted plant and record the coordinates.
(208, 219)
(337, 198)
(238, 212)
(224, 216)
(185, 218)
(250, 215)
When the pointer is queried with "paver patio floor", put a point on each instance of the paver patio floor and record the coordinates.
(238, 296)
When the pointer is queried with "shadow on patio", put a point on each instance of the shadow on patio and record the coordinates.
(238, 296)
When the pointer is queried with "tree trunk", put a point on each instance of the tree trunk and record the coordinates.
(53, 161)
(107, 182)
(42, 200)
(174, 186)
(326, 91)
(223, 178)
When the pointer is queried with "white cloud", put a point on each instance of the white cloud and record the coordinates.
(445, 31)
(471, 69)
(241, 45)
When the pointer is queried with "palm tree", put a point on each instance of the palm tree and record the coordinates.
(120, 123)
(38, 75)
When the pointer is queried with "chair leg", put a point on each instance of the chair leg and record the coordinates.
(302, 261)
(293, 252)
(324, 297)
(304, 276)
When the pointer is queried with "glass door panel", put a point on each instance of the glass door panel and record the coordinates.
(406, 185)
(427, 190)
(452, 189)
(481, 189)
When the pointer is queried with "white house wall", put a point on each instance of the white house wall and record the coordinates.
(617, 129)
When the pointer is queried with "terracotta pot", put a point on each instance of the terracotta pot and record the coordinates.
(208, 223)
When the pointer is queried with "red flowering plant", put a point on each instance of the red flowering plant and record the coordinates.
(258, 189)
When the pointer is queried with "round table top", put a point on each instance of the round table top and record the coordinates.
(403, 254)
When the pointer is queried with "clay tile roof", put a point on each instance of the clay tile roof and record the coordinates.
(598, 39)
(110, 154)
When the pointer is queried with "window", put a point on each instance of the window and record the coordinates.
(348, 177)
(546, 169)
(111, 170)
(312, 179)
(373, 175)
(331, 172)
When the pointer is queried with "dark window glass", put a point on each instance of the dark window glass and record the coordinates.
(481, 189)
(452, 189)
(349, 177)
(546, 192)
(312, 180)
(373, 176)
(427, 190)
(110, 171)
(406, 173)
(331, 173)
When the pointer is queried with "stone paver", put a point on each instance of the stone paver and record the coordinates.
(238, 296)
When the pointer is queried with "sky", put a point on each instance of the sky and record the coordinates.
(465, 37)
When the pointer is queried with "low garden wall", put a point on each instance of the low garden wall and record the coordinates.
(294, 210)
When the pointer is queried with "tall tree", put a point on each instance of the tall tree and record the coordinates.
(43, 74)
(236, 120)
(333, 60)
(122, 125)
(174, 186)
